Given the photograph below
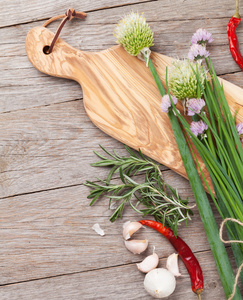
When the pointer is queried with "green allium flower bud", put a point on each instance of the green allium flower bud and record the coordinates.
(183, 81)
(133, 33)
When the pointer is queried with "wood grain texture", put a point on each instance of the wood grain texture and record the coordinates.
(35, 10)
(125, 283)
(46, 144)
(159, 10)
(49, 233)
(48, 147)
(120, 95)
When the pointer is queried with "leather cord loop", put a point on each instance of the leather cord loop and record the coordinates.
(68, 16)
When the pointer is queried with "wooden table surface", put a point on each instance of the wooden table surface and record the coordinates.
(48, 248)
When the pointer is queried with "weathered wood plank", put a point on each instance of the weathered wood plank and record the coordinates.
(236, 78)
(90, 35)
(36, 10)
(48, 147)
(159, 10)
(49, 233)
(96, 31)
(23, 86)
(121, 282)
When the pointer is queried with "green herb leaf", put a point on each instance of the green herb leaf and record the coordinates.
(148, 197)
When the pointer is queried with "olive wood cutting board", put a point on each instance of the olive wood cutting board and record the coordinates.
(119, 94)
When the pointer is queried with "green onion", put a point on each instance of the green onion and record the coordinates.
(219, 252)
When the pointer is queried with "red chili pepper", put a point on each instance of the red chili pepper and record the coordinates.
(185, 254)
(232, 36)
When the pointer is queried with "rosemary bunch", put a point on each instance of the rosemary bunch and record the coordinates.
(151, 197)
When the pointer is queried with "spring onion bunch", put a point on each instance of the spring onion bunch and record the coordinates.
(215, 136)
(217, 139)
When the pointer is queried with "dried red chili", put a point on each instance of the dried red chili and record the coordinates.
(232, 36)
(184, 252)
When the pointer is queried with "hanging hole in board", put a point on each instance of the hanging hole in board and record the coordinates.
(46, 49)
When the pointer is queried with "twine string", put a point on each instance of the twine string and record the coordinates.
(229, 242)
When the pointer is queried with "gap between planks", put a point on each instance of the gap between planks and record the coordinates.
(39, 106)
(64, 187)
(93, 270)
(114, 23)
(87, 11)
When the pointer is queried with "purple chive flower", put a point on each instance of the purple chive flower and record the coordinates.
(239, 128)
(201, 36)
(194, 106)
(166, 104)
(198, 128)
(197, 52)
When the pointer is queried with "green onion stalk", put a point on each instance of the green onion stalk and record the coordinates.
(223, 158)
(222, 154)
(136, 37)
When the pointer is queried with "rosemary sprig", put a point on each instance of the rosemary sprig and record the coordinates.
(151, 197)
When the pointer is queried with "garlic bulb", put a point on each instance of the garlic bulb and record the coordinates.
(136, 246)
(130, 228)
(172, 264)
(149, 263)
(159, 283)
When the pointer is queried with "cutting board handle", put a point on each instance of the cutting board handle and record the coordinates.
(64, 61)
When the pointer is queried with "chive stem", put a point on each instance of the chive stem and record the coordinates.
(219, 252)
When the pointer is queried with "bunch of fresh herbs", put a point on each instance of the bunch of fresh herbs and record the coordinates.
(152, 196)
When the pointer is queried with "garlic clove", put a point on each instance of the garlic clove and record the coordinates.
(129, 228)
(149, 263)
(172, 264)
(159, 283)
(125, 224)
(136, 246)
(97, 229)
